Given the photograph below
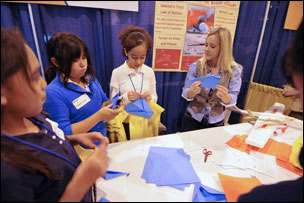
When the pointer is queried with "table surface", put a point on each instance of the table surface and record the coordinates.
(130, 157)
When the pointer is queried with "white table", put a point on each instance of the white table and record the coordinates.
(130, 156)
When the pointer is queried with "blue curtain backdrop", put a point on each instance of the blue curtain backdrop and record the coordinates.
(99, 29)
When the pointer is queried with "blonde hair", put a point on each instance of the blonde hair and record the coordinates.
(226, 60)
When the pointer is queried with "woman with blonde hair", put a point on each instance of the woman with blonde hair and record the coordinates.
(207, 105)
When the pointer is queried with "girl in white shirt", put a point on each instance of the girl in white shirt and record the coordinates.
(134, 79)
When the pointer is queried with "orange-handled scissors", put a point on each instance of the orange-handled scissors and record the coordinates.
(207, 153)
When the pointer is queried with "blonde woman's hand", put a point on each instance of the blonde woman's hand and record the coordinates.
(222, 93)
(133, 95)
(146, 95)
(194, 90)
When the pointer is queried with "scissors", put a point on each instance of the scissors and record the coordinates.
(207, 153)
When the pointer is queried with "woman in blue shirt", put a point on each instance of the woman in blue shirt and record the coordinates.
(206, 105)
(74, 97)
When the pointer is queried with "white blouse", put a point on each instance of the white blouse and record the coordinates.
(121, 83)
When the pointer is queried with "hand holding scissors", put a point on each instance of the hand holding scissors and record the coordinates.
(207, 153)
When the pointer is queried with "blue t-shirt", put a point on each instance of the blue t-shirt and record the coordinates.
(71, 104)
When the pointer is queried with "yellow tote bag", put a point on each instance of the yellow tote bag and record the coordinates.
(115, 128)
(142, 127)
(139, 127)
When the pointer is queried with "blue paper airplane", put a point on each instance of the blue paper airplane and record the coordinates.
(209, 81)
(139, 107)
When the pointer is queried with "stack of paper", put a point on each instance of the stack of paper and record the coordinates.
(169, 166)
(263, 130)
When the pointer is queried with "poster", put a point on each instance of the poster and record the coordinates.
(294, 15)
(181, 28)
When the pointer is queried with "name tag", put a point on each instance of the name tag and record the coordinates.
(81, 101)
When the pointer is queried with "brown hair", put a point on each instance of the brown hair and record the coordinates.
(132, 36)
(13, 55)
(65, 48)
(13, 59)
(293, 59)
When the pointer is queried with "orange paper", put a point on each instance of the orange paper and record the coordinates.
(235, 186)
(278, 149)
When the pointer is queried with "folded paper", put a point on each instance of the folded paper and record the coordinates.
(115, 101)
(209, 81)
(114, 174)
(202, 193)
(139, 107)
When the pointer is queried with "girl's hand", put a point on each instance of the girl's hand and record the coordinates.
(107, 114)
(94, 166)
(195, 89)
(88, 139)
(86, 174)
(146, 95)
(222, 93)
(133, 95)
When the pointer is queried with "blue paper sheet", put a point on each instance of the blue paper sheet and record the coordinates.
(202, 193)
(209, 81)
(139, 107)
(114, 174)
(169, 166)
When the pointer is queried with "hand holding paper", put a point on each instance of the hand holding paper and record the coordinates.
(116, 101)
(209, 81)
(139, 107)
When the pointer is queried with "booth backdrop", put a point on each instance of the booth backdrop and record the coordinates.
(99, 29)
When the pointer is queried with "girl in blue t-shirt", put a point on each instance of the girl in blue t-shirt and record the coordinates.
(74, 97)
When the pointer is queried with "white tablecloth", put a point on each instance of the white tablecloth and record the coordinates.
(130, 156)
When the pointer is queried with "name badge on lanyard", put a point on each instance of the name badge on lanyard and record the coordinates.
(81, 101)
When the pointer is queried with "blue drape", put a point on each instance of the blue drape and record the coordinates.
(99, 29)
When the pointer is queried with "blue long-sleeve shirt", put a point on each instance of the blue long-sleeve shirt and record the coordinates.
(71, 104)
(233, 88)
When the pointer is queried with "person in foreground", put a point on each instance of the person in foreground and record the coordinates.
(285, 191)
(206, 105)
(38, 162)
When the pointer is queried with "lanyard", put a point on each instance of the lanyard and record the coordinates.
(44, 149)
(142, 80)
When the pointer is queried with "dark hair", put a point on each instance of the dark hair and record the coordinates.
(132, 36)
(13, 54)
(13, 59)
(293, 59)
(65, 48)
